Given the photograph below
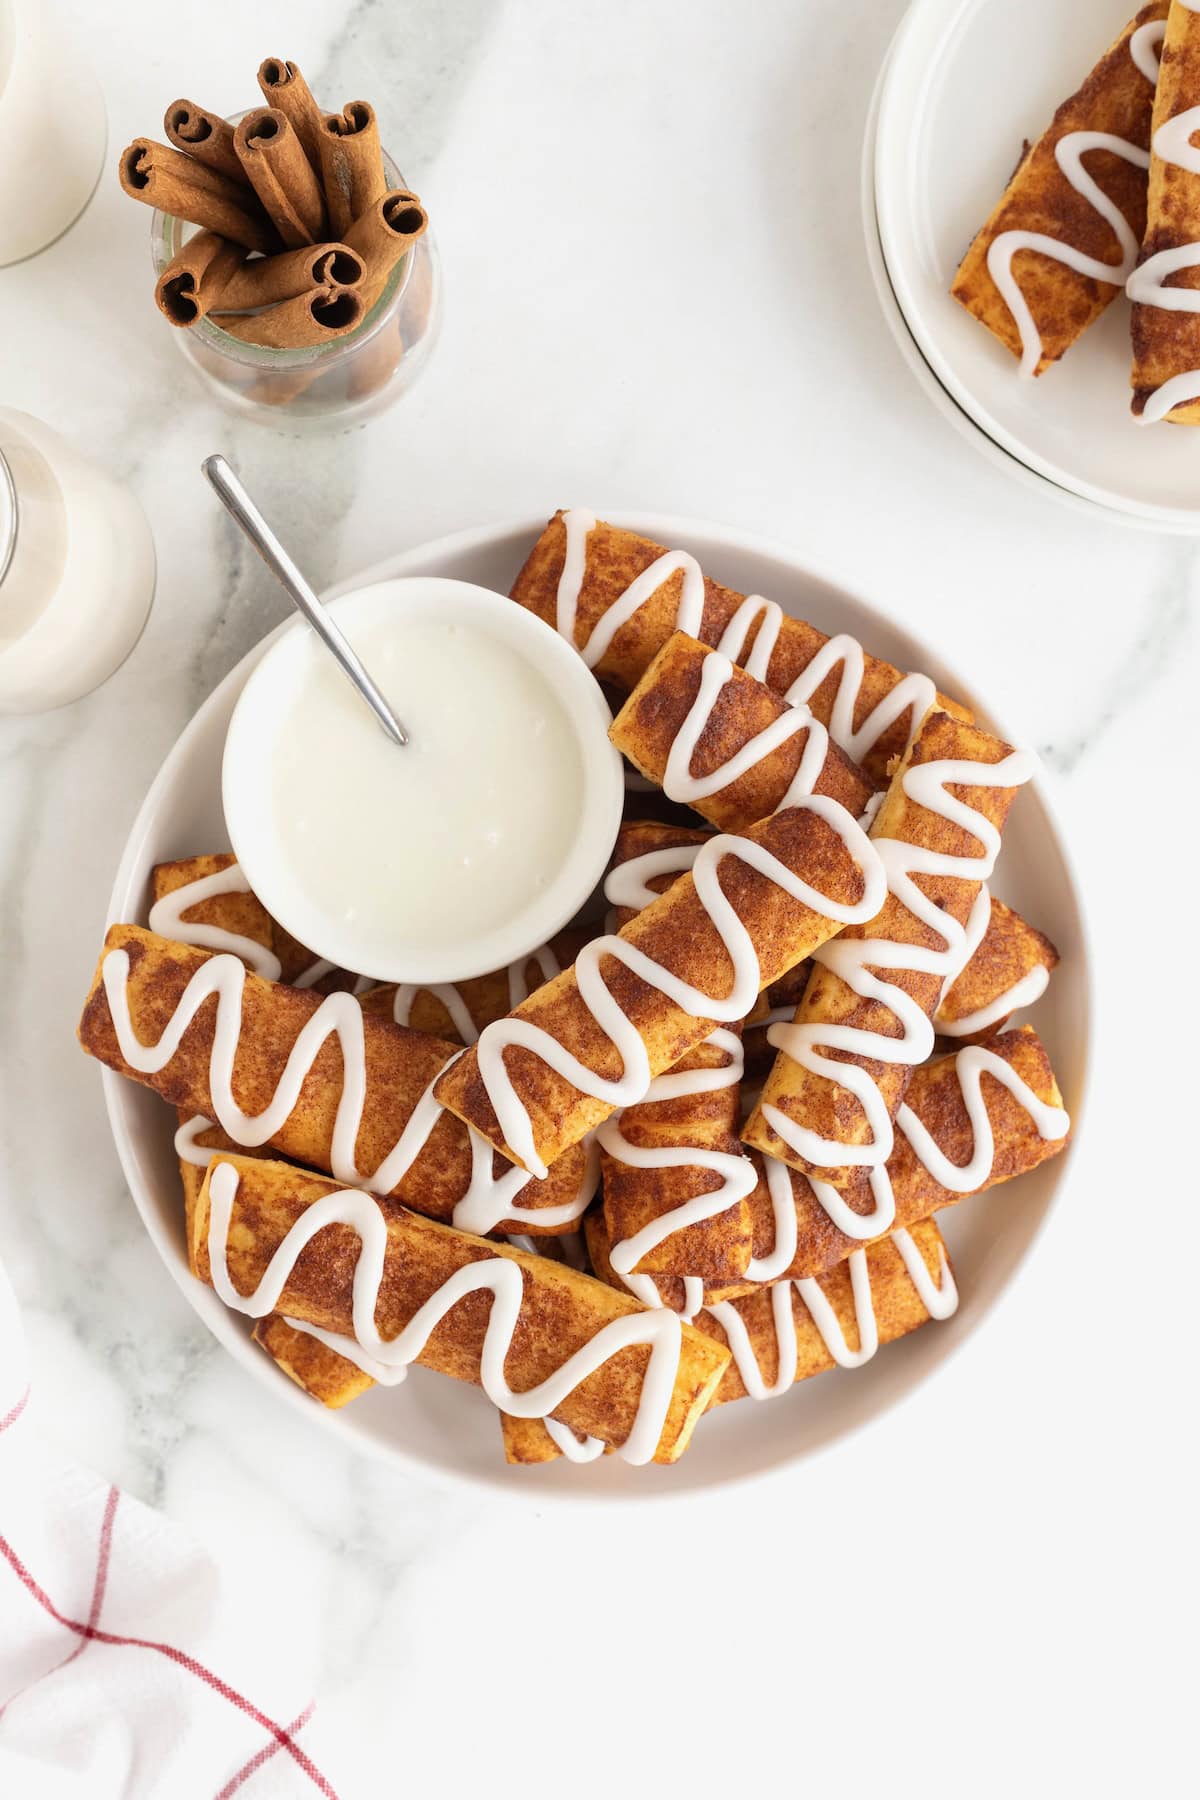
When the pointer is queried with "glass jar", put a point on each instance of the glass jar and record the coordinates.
(52, 129)
(77, 569)
(339, 383)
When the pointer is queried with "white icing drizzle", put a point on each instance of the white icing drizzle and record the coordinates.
(914, 693)
(166, 918)
(317, 971)
(501, 1276)
(518, 972)
(738, 1338)
(826, 1321)
(455, 1004)
(1068, 154)
(488, 1200)
(680, 784)
(1144, 48)
(939, 1300)
(629, 883)
(514, 1120)
(737, 1172)
(186, 1147)
(971, 1064)
(1146, 285)
(451, 999)
(1022, 993)
(575, 1447)
(856, 961)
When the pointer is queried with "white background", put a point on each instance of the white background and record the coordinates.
(656, 298)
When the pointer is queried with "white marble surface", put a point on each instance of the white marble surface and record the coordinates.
(657, 297)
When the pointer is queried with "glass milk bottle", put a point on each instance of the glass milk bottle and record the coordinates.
(76, 569)
(52, 129)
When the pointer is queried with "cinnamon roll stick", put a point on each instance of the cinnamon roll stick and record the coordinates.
(789, 1333)
(537, 1336)
(1165, 287)
(667, 1161)
(618, 597)
(1022, 1123)
(715, 739)
(1008, 969)
(352, 1094)
(834, 1088)
(754, 905)
(332, 1379)
(1063, 239)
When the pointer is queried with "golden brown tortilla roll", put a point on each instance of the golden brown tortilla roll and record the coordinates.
(438, 1170)
(666, 1134)
(584, 602)
(1041, 199)
(223, 903)
(455, 1012)
(1165, 286)
(765, 1330)
(458, 1011)
(1022, 1136)
(685, 1296)
(495, 1317)
(328, 1377)
(693, 695)
(805, 1117)
(1007, 970)
(332, 1379)
(548, 1110)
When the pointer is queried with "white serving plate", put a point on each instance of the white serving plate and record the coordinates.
(450, 1431)
(965, 83)
(962, 422)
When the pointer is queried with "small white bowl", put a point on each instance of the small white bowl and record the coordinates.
(252, 815)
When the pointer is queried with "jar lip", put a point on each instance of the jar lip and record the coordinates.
(9, 515)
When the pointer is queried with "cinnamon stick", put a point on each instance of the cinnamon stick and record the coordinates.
(266, 280)
(160, 176)
(285, 89)
(273, 158)
(195, 280)
(206, 136)
(382, 235)
(297, 324)
(351, 164)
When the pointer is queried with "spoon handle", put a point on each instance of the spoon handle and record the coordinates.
(245, 514)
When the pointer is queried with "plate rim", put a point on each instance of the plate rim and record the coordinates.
(925, 22)
(206, 1305)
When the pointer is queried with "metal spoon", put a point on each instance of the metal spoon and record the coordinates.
(242, 510)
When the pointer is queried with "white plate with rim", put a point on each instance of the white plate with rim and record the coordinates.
(928, 382)
(447, 1430)
(966, 82)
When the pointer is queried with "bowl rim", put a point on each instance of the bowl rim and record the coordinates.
(245, 782)
(225, 1327)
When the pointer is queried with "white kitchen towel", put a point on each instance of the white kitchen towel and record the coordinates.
(123, 1673)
